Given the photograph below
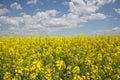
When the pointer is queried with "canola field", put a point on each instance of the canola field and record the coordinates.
(60, 58)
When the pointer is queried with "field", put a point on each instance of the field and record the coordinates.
(60, 58)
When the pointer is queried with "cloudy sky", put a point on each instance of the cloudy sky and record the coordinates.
(69, 17)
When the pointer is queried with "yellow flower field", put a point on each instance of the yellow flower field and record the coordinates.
(60, 58)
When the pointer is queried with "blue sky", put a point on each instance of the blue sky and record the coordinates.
(69, 17)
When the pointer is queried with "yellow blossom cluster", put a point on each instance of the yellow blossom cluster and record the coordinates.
(60, 58)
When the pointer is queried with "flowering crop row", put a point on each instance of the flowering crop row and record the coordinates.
(60, 58)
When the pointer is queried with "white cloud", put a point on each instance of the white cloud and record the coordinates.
(3, 11)
(113, 31)
(8, 20)
(15, 5)
(83, 7)
(47, 21)
(79, 7)
(48, 13)
(79, 11)
(12, 28)
(94, 16)
(35, 21)
(103, 2)
(117, 10)
(116, 29)
(32, 2)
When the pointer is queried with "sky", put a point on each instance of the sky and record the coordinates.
(55, 17)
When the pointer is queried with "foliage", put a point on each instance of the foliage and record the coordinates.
(60, 58)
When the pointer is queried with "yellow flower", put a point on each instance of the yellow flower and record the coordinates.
(35, 58)
(76, 77)
(33, 76)
(76, 70)
(99, 57)
(7, 76)
(60, 64)
(20, 71)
